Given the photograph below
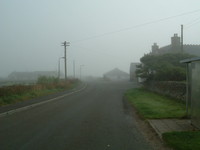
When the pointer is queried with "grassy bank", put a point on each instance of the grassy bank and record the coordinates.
(16, 93)
(154, 106)
(183, 140)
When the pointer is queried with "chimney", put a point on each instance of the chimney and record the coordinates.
(155, 48)
(175, 41)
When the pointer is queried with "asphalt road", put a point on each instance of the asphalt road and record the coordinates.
(96, 118)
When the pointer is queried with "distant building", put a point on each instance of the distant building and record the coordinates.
(27, 76)
(116, 74)
(133, 67)
(175, 47)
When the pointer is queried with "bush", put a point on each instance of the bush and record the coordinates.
(47, 80)
(14, 89)
(166, 67)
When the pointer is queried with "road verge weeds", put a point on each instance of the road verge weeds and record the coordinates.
(16, 93)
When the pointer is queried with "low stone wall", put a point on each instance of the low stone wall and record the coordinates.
(172, 89)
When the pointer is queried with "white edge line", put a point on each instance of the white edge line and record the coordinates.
(40, 103)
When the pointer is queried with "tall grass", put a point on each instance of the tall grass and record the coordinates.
(44, 85)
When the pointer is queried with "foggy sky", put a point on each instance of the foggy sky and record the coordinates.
(104, 34)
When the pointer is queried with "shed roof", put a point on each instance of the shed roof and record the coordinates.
(189, 60)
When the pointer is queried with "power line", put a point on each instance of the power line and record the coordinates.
(136, 26)
(193, 22)
(95, 51)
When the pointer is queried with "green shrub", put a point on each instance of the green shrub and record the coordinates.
(47, 80)
(166, 67)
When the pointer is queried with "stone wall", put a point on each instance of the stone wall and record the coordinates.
(172, 89)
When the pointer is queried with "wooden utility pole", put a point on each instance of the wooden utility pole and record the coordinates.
(65, 44)
(181, 38)
(74, 69)
(81, 71)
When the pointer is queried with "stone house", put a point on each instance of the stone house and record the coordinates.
(175, 47)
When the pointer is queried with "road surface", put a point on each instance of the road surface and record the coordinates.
(94, 119)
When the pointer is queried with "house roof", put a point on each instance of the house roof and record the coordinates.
(165, 48)
(188, 48)
(115, 72)
(192, 49)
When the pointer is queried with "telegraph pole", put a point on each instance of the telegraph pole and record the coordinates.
(181, 38)
(74, 69)
(81, 71)
(59, 67)
(65, 44)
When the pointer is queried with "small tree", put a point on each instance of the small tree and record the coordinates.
(47, 80)
(166, 67)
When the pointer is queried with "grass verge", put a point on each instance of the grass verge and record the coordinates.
(11, 99)
(188, 140)
(16, 93)
(154, 106)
